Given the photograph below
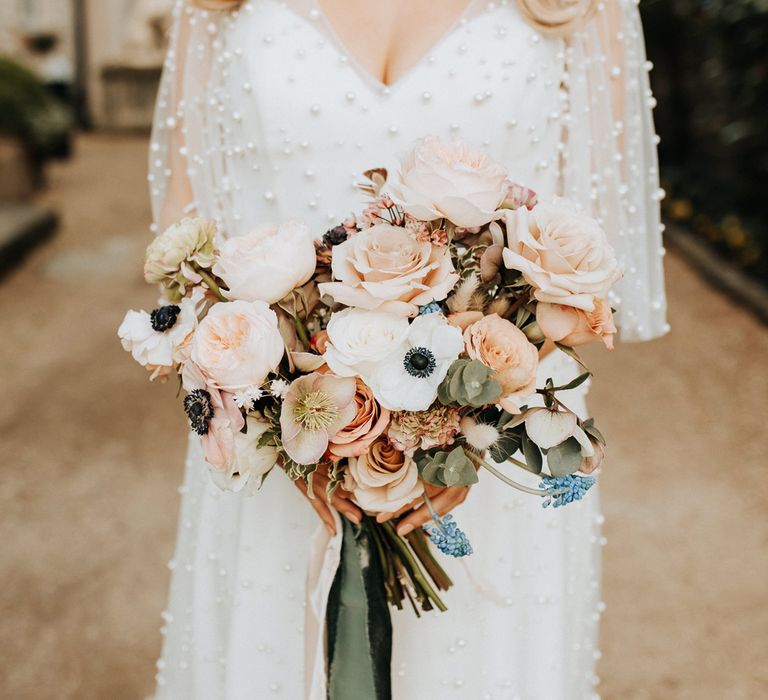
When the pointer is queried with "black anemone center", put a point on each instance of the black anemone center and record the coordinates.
(419, 362)
(164, 318)
(199, 410)
(335, 236)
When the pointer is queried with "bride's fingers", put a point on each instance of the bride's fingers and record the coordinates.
(384, 517)
(443, 503)
(340, 500)
(321, 508)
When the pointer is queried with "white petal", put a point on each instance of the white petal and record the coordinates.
(549, 428)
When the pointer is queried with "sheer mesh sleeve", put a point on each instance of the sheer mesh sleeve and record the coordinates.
(178, 182)
(610, 135)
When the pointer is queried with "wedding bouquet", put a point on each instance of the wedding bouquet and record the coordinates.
(397, 353)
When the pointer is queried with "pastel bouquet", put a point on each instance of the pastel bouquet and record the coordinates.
(395, 355)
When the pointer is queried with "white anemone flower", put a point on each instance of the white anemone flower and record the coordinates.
(408, 378)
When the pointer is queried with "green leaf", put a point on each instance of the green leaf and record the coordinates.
(508, 443)
(565, 458)
(532, 454)
(573, 384)
(592, 431)
(568, 350)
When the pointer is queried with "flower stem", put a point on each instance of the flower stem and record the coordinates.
(510, 482)
(210, 283)
(301, 331)
(415, 570)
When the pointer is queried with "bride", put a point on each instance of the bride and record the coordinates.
(269, 110)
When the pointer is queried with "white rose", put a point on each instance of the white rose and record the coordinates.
(249, 462)
(408, 378)
(268, 263)
(153, 348)
(449, 179)
(563, 253)
(359, 339)
(172, 256)
(237, 345)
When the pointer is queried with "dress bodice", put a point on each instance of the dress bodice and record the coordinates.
(300, 119)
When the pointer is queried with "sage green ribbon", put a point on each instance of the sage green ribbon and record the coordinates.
(358, 622)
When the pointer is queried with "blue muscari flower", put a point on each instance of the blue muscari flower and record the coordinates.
(565, 489)
(432, 308)
(447, 537)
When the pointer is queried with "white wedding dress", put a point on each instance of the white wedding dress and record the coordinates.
(262, 116)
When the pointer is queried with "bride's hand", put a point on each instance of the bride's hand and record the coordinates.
(340, 501)
(444, 499)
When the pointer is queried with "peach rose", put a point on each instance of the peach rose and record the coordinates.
(561, 252)
(449, 179)
(384, 479)
(384, 268)
(237, 345)
(370, 421)
(571, 326)
(502, 346)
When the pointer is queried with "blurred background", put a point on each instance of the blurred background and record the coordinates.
(93, 455)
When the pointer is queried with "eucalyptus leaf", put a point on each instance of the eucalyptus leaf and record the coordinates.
(532, 454)
(565, 458)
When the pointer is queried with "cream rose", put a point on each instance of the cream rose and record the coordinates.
(357, 340)
(267, 263)
(563, 253)
(237, 345)
(384, 268)
(503, 347)
(449, 179)
(384, 479)
(370, 421)
(571, 326)
(172, 256)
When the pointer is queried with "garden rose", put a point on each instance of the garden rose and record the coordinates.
(563, 253)
(370, 421)
(172, 256)
(572, 326)
(384, 268)
(452, 180)
(503, 347)
(267, 263)
(357, 340)
(384, 479)
(237, 345)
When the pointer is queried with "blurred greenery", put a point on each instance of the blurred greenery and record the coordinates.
(711, 81)
(29, 112)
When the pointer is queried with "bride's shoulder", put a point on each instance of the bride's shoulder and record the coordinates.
(222, 5)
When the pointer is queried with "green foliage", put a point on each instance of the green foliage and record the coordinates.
(469, 383)
(452, 468)
(29, 112)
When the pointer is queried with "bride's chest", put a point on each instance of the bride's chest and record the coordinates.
(288, 79)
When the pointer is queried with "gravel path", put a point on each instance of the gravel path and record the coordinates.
(93, 456)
